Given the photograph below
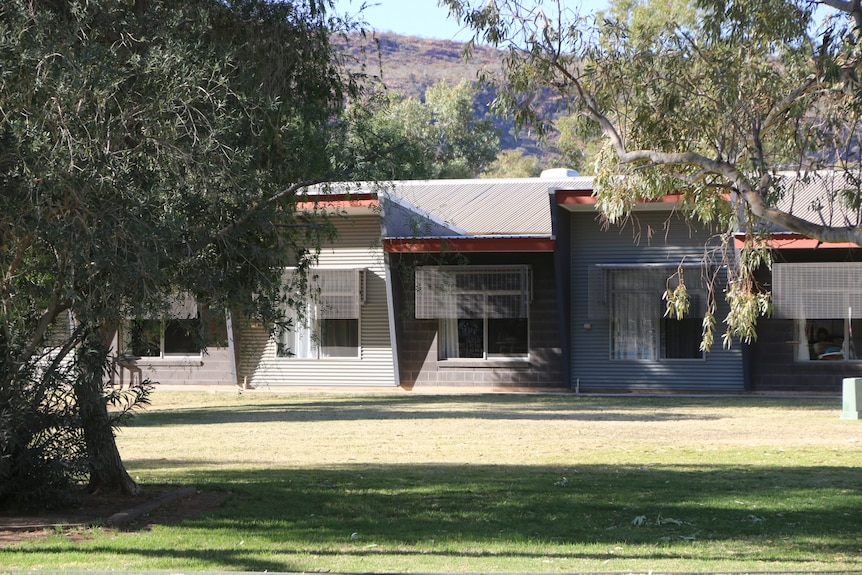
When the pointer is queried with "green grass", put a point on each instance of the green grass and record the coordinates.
(508, 483)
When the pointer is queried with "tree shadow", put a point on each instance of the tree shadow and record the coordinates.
(494, 407)
(789, 514)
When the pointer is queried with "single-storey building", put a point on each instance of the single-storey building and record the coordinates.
(813, 340)
(518, 283)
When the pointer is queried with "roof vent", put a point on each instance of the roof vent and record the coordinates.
(557, 173)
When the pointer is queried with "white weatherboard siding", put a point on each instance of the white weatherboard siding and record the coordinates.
(357, 246)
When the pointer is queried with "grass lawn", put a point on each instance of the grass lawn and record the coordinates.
(484, 483)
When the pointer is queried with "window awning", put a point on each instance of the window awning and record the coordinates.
(821, 290)
(472, 291)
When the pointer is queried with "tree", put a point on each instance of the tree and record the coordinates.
(578, 143)
(147, 149)
(513, 164)
(711, 106)
(442, 137)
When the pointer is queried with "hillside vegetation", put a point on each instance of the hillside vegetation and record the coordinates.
(410, 64)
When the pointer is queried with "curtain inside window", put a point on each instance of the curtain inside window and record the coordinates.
(448, 334)
(298, 341)
(802, 351)
(634, 326)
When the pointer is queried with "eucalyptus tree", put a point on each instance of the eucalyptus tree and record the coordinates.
(147, 149)
(443, 136)
(708, 99)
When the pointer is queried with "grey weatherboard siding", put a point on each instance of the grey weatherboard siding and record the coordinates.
(663, 238)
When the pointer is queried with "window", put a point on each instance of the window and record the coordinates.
(631, 298)
(328, 325)
(825, 300)
(162, 338)
(482, 311)
(828, 339)
(181, 333)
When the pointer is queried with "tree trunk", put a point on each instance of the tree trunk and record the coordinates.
(107, 472)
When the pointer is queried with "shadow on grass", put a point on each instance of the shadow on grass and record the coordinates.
(502, 407)
(790, 514)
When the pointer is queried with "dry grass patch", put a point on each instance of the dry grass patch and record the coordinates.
(395, 483)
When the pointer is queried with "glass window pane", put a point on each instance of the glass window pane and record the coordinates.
(182, 337)
(681, 338)
(825, 339)
(471, 338)
(339, 338)
(506, 306)
(507, 337)
(145, 338)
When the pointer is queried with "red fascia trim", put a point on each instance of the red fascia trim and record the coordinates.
(586, 198)
(794, 242)
(467, 244)
(341, 201)
(576, 197)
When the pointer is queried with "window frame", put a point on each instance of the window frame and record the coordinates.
(458, 295)
(442, 342)
(808, 340)
(313, 317)
(603, 304)
(163, 323)
(182, 307)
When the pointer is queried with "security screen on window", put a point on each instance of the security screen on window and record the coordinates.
(825, 301)
(481, 310)
(631, 299)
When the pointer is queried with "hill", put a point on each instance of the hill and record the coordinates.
(409, 64)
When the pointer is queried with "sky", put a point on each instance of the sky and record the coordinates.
(424, 17)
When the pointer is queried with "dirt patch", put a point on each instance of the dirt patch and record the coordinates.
(153, 506)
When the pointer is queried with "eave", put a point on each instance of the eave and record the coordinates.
(584, 200)
(462, 244)
(793, 241)
(339, 202)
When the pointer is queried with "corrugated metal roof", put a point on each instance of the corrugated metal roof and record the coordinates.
(488, 206)
(821, 197)
(513, 207)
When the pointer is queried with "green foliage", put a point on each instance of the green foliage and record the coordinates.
(746, 298)
(579, 143)
(42, 450)
(677, 302)
(513, 164)
(149, 149)
(652, 16)
(438, 138)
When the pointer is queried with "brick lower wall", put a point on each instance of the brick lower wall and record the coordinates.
(773, 368)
